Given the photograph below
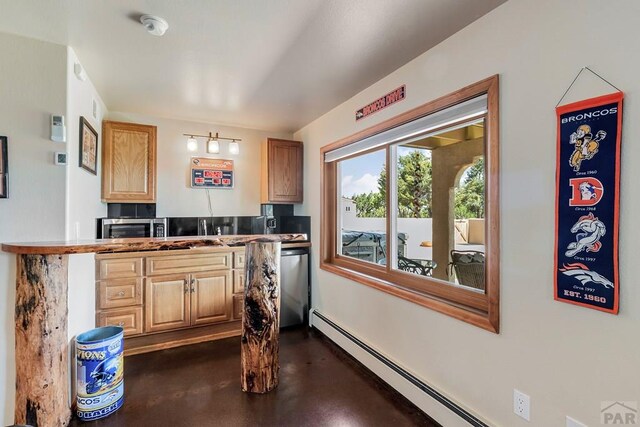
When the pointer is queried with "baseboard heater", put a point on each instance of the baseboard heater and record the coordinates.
(426, 388)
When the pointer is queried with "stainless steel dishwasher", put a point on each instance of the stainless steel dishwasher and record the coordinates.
(294, 286)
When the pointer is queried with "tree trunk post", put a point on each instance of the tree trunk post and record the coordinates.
(42, 377)
(261, 318)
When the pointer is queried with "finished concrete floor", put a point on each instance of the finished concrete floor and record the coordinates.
(199, 385)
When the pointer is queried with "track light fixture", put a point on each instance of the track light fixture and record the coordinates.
(213, 143)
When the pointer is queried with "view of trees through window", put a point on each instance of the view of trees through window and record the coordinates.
(414, 190)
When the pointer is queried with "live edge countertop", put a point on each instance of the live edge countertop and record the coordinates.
(147, 244)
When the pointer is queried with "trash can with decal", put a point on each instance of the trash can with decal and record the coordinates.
(100, 372)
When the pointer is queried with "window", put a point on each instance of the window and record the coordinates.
(410, 206)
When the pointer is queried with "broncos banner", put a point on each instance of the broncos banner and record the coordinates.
(587, 186)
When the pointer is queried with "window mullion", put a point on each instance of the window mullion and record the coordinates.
(392, 207)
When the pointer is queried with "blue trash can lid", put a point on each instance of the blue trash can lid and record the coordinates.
(99, 334)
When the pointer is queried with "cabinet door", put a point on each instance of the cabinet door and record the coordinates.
(128, 162)
(167, 302)
(284, 171)
(211, 297)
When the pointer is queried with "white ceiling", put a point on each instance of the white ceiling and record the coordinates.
(265, 64)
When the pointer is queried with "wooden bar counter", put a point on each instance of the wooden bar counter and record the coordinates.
(42, 365)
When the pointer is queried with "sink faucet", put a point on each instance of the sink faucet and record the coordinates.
(219, 231)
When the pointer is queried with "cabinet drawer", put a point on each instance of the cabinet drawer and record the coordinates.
(128, 318)
(237, 306)
(238, 259)
(188, 263)
(120, 268)
(119, 293)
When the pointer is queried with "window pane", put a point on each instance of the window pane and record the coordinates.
(362, 211)
(439, 195)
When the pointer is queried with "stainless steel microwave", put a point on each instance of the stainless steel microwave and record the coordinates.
(120, 228)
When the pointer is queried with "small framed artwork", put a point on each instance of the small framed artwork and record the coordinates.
(88, 147)
(4, 169)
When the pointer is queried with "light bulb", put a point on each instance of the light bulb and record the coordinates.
(192, 144)
(213, 146)
(234, 147)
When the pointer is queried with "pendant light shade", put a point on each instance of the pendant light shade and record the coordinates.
(213, 146)
(234, 147)
(192, 144)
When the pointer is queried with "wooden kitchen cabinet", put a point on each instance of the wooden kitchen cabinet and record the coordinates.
(282, 166)
(200, 295)
(211, 297)
(163, 299)
(168, 302)
(128, 162)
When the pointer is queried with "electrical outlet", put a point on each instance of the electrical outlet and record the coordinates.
(521, 404)
(572, 422)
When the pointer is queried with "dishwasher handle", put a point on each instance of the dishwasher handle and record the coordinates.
(294, 252)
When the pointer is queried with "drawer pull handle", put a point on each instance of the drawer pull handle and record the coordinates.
(121, 293)
(121, 324)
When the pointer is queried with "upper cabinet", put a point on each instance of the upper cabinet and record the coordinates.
(281, 171)
(128, 162)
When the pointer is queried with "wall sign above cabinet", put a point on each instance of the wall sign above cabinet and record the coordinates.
(211, 173)
(383, 102)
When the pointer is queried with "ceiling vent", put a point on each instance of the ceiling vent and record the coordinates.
(154, 24)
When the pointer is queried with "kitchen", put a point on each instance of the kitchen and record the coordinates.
(265, 198)
(384, 331)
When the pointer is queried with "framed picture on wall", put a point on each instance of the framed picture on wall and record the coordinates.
(88, 147)
(4, 168)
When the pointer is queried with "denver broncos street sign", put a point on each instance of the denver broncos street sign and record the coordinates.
(382, 102)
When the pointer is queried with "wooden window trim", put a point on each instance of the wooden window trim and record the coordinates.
(476, 308)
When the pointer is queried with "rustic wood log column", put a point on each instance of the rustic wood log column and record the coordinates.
(42, 377)
(261, 318)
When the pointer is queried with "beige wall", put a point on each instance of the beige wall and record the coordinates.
(32, 87)
(567, 358)
(175, 195)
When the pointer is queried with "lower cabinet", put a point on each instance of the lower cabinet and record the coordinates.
(181, 300)
(168, 302)
(154, 293)
(211, 295)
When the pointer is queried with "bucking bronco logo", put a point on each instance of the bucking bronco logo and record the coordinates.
(589, 240)
(585, 147)
(584, 275)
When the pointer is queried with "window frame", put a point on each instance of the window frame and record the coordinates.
(479, 308)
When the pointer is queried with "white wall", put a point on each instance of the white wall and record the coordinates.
(567, 358)
(84, 203)
(32, 87)
(175, 195)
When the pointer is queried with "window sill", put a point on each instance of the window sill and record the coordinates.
(470, 315)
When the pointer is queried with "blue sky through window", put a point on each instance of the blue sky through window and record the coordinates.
(360, 174)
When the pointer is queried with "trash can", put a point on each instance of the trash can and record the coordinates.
(100, 372)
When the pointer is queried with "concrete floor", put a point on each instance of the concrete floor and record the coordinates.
(199, 385)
